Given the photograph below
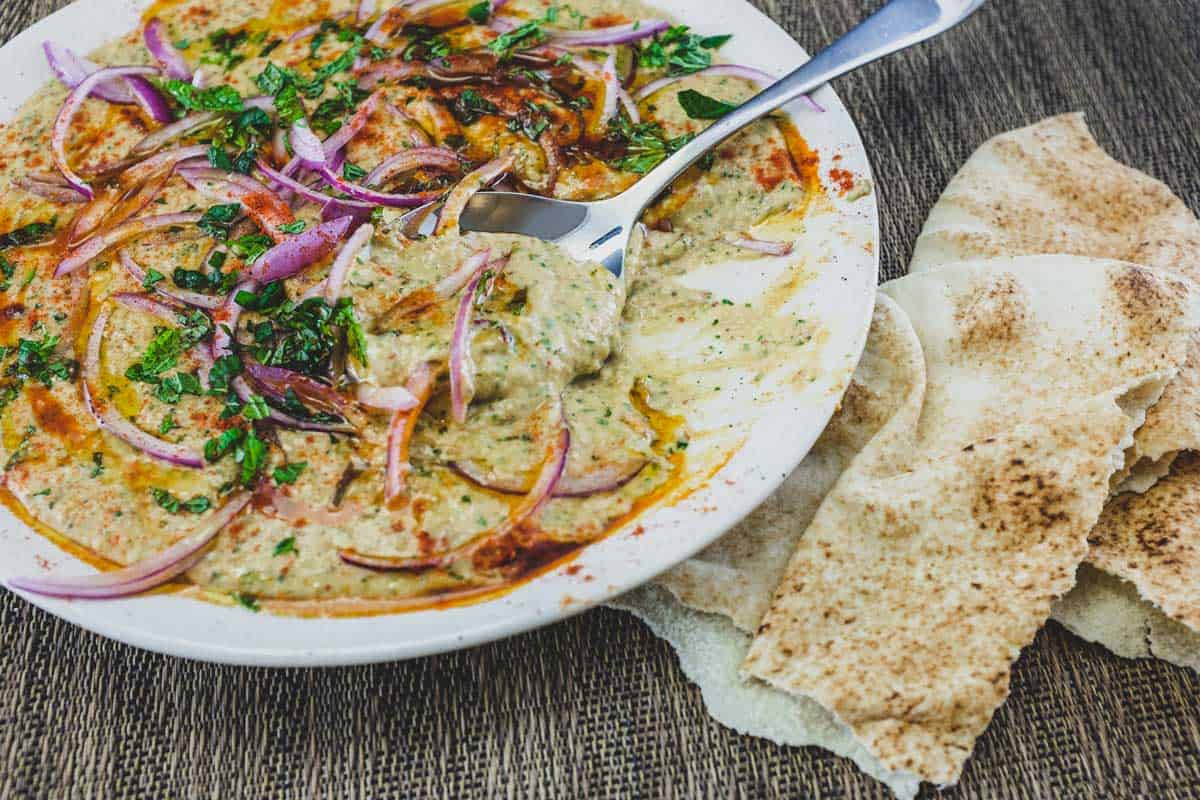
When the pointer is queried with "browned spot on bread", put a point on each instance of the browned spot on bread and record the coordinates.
(993, 315)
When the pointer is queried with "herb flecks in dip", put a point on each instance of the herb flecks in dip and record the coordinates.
(221, 350)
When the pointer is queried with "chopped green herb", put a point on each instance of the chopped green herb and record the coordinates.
(288, 473)
(217, 220)
(33, 233)
(196, 505)
(285, 546)
(255, 408)
(21, 450)
(97, 465)
(215, 98)
(153, 276)
(700, 106)
(293, 227)
(247, 601)
(168, 423)
(215, 449)
(252, 455)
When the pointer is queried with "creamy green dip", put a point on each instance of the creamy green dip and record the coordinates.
(629, 359)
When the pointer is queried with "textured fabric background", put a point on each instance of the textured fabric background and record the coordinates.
(596, 707)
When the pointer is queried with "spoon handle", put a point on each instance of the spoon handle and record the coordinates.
(899, 24)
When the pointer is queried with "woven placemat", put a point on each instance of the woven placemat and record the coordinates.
(596, 707)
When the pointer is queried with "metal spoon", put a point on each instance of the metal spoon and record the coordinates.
(599, 230)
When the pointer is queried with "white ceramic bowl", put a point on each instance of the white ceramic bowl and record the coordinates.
(840, 246)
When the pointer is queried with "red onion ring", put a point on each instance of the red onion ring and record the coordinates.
(145, 574)
(366, 9)
(307, 146)
(346, 207)
(400, 431)
(601, 481)
(275, 382)
(616, 34)
(172, 61)
(411, 159)
(460, 195)
(407, 200)
(755, 76)
(300, 251)
(74, 101)
(71, 69)
(345, 259)
(393, 69)
(149, 305)
(551, 472)
(267, 210)
(194, 299)
(612, 89)
(351, 127)
(110, 419)
(123, 232)
(176, 130)
(50, 191)
(449, 286)
(748, 242)
(462, 366)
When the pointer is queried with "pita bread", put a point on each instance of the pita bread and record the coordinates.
(935, 558)
(737, 575)
(710, 651)
(1051, 188)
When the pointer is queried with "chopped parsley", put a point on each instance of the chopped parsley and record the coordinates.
(196, 505)
(215, 98)
(285, 546)
(680, 51)
(97, 465)
(247, 601)
(33, 233)
(217, 220)
(524, 36)
(469, 106)
(646, 146)
(289, 473)
(293, 227)
(153, 276)
(701, 106)
(251, 247)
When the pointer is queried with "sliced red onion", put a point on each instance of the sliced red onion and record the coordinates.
(307, 146)
(599, 481)
(195, 299)
(149, 305)
(151, 100)
(462, 365)
(164, 52)
(167, 159)
(551, 472)
(175, 130)
(245, 393)
(145, 574)
(366, 10)
(71, 69)
(407, 200)
(351, 127)
(612, 88)
(349, 207)
(449, 286)
(386, 398)
(413, 158)
(225, 320)
(755, 76)
(627, 102)
(302, 250)
(121, 233)
(748, 242)
(616, 34)
(275, 382)
(345, 259)
(304, 33)
(279, 146)
(400, 431)
(111, 420)
(62, 123)
(50, 191)
(461, 194)
(393, 69)
(228, 187)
